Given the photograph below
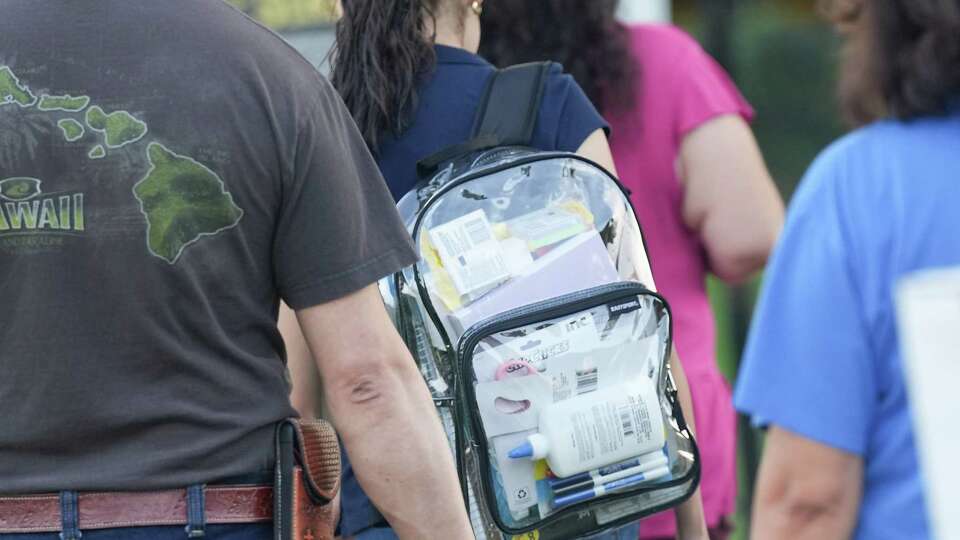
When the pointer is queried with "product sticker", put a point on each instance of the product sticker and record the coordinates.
(546, 227)
(573, 376)
(538, 348)
(587, 380)
(471, 253)
(569, 359)
(580, 373)
(513, 404)
(607, 427)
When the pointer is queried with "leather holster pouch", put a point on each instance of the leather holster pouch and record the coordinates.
(306, 481)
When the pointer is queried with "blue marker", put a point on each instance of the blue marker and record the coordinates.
(595, 481)
(599, 491)
(561, 483)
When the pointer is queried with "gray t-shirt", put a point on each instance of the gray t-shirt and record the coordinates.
(169, 170)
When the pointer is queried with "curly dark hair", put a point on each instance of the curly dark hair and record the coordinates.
(381, 52)
(902, 57)
(584, 36)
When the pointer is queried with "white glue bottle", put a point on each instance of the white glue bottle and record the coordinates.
(597, 429)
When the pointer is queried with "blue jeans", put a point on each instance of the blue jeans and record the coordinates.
(251, 531)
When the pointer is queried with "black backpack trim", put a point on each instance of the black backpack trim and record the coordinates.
(507, 115)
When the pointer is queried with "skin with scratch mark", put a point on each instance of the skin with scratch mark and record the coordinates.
(365, 390)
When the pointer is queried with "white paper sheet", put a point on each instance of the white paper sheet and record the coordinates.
(928, 305)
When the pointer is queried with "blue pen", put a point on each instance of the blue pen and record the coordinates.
(561, 483)
(595, 481)
(599, 491)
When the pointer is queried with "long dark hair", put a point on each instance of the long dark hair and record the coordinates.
(380, 54)
(902, 58)
(584, 36)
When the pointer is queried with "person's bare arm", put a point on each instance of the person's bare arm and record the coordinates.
(730, 199)
(303, 370)
(596, 148)
(691, 520)
(386, 419)
(806, 490)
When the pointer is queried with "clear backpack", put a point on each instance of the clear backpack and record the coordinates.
(534, 320)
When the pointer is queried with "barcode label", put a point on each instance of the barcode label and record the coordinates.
(587, 380)
(471, 253)
(478, 231)
(483, 274)
(626, 421)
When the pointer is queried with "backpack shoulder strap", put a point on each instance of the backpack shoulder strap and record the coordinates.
(511, 104)
(507, 114)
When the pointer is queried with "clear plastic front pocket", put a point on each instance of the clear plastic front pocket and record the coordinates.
(571, 409)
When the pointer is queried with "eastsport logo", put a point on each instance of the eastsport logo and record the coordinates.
(24, 208)
(624, 307)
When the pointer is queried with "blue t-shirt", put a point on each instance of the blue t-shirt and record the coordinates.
(823, 358)
(447, 104)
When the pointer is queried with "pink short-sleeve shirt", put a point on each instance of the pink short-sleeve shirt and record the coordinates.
(680, 88)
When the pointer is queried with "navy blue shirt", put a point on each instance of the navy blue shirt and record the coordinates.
(448, 102)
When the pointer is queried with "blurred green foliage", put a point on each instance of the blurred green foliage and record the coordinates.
(288, 14)
(786, 66)
(784, 61)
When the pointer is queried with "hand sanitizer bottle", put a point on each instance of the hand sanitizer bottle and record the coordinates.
(597, 429)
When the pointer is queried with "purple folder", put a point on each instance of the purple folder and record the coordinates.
(579, 263)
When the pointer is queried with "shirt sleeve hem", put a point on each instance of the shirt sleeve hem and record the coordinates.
(801, 428)
(574, 127)
(723, 99)
(743, 111)
(340, 284)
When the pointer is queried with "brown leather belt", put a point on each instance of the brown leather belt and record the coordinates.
(224, 504)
